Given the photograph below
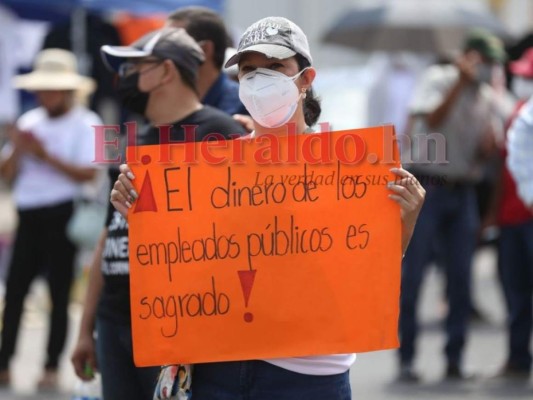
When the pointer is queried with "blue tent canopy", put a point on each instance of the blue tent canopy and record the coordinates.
(149, 6)
(51, 10)
(57, 10)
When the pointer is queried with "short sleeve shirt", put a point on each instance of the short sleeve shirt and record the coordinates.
(70, 138)
(452, 148)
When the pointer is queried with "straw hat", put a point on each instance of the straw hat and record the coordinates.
(55, 69)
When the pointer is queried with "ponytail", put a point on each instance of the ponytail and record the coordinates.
(312, 108)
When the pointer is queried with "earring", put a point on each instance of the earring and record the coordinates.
(304, 93)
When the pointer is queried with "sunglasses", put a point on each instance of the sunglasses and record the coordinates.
(129, 67)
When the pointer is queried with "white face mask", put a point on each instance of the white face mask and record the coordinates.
(522, 87)
(270, 97)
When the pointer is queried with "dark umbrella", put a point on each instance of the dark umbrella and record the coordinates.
(424, 26)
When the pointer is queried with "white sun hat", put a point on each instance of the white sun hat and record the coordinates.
(55, 69)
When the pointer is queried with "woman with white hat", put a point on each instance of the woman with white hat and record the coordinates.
(49, 155)
(275, 75)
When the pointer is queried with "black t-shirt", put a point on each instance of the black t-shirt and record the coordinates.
(115, 299)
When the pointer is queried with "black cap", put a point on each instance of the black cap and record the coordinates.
(166, 44)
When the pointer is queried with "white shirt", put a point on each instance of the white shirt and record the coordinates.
(520, 148)
(471, 118)
(69, 138)
(331, 364)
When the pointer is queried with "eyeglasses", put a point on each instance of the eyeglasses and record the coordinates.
(129, 67)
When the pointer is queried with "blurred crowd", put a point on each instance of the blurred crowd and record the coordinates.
(468, 122)
(460, 116)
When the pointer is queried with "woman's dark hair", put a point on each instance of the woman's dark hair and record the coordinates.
(311, 104)
(201, 23)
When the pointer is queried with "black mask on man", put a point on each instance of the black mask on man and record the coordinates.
(132, 98)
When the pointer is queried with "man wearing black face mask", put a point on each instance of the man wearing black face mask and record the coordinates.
(457, 102)
(157, 78)
(143, 70)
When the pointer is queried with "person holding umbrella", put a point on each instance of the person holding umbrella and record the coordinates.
(454, 106)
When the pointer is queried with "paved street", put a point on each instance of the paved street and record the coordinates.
(373, 374)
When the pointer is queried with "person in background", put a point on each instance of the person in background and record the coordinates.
(520, 148)
(274, 51)
(158, 78)
(515, 248)
(50, 154)
(205, 26)
(453, 108)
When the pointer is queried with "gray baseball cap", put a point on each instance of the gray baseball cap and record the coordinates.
(275, 37)
(167, 43)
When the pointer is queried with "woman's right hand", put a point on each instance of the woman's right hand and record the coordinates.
(123, 194)
(84, 354)
(245, 120)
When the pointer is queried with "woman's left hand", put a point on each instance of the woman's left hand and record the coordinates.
(123, 193)
(409, 194)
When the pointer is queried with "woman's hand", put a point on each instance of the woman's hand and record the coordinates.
(245, 120)
(123, 194)
(409, 194)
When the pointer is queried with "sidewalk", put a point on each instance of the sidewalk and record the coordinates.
(373, 375)
(26, 367)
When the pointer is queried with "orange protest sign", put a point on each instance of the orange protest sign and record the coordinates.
(265, 248)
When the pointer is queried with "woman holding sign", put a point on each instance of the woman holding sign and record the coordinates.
(276, 75)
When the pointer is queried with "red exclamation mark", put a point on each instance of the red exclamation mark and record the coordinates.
(146, 200)
(247, 278)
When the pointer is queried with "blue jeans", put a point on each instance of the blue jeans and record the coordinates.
(449, 221)
(121, 379)
(516, 265)
(259, 380)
